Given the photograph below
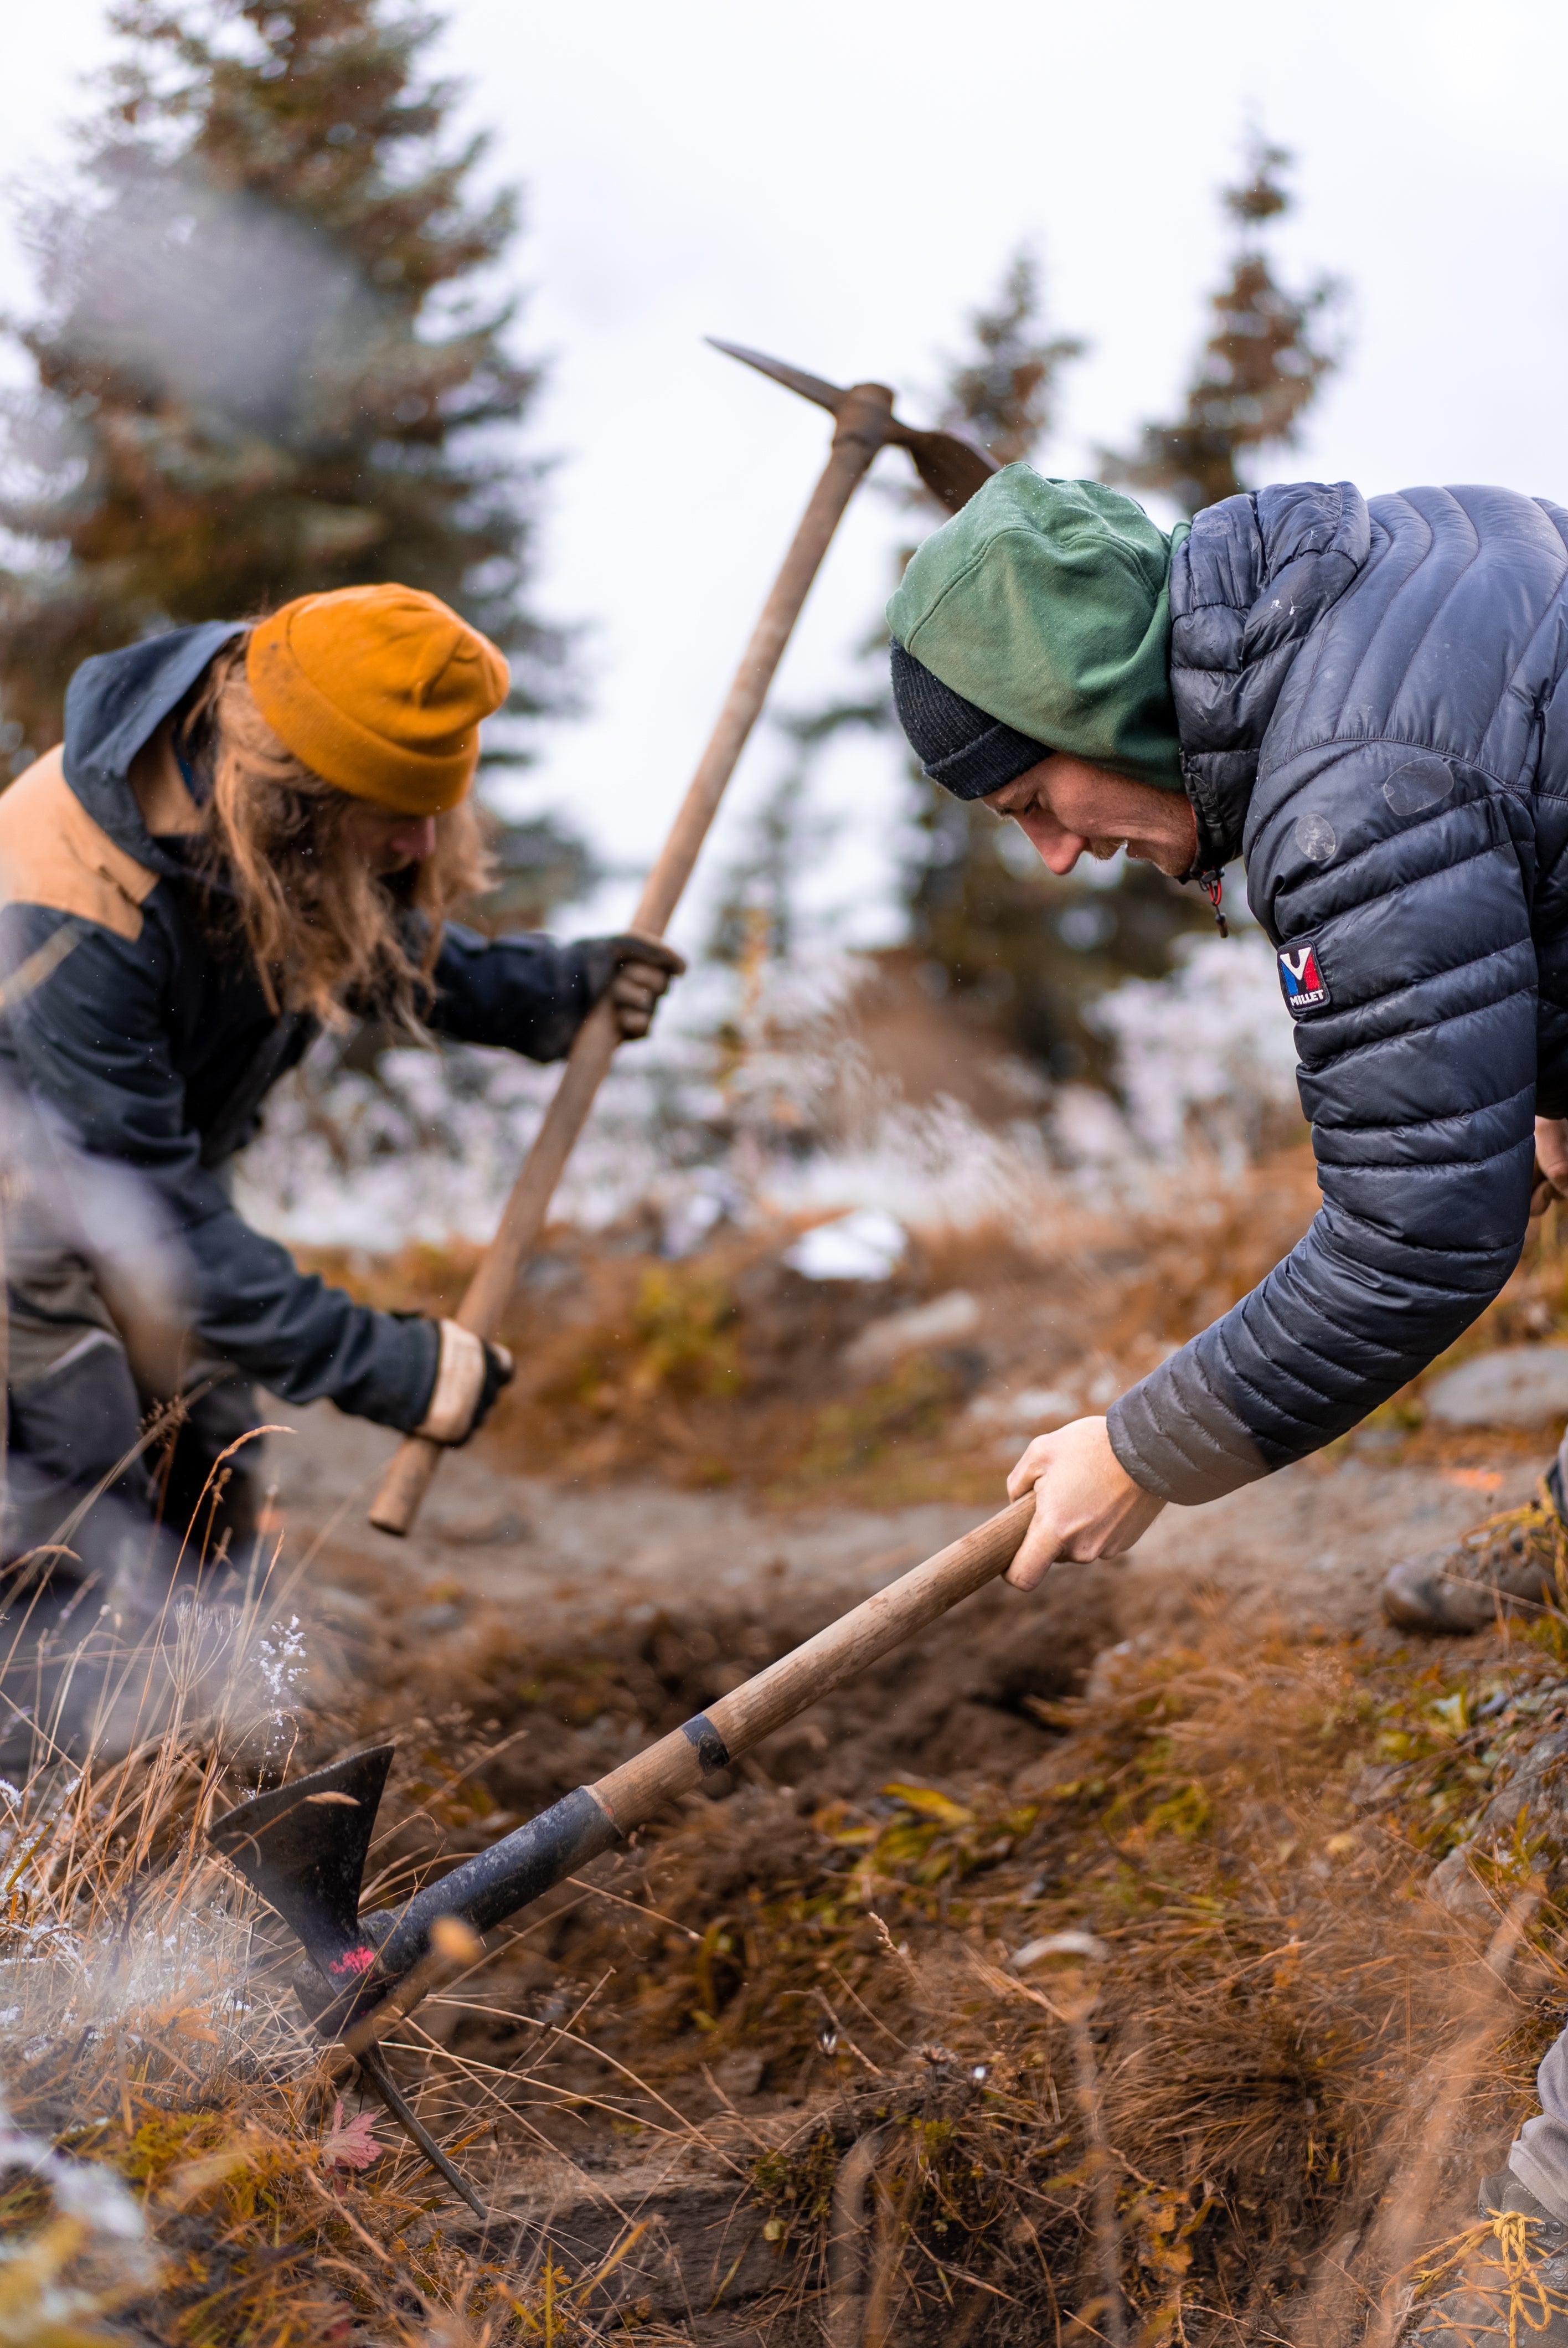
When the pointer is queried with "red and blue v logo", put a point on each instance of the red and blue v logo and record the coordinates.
(1301, 978)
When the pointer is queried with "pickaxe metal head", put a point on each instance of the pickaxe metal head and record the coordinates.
(303, 1847)
(951, 469)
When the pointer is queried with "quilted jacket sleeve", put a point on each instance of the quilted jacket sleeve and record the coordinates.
(526, 992)
(1409, 877)
(90, 1047)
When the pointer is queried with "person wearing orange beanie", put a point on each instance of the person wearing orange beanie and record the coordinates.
(252, 831)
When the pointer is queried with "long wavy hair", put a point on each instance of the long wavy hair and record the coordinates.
(327, 934)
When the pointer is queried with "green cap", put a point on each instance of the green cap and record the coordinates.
(1047, 604)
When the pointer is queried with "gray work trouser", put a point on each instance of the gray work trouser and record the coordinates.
(1538, 2154)
(81, 1498)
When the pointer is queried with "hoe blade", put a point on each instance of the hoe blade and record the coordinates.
(303, 1847)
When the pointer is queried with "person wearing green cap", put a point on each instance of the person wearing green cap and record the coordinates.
(1367, 700)
(1363, 700)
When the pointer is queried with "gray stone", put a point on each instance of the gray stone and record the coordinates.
(1518, 1386)
(1454, 1885)
(942, 1321)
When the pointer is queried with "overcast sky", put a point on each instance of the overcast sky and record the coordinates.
(840, 183)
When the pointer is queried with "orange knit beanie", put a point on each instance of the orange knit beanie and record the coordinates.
(379, 690)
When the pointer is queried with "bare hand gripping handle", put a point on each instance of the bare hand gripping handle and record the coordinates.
(865, 420)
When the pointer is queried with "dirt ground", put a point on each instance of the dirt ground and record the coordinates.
(1308, 1546)
(663, 1596)
(1127, 1938)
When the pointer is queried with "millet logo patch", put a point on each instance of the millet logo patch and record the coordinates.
(1301, 978)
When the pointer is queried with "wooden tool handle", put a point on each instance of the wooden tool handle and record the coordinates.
(862, 430)
(413, 1464)
(739, 1721)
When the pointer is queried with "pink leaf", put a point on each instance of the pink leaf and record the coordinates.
(351, 2143)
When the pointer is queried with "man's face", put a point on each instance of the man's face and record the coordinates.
(389, 842)
(1069, 809)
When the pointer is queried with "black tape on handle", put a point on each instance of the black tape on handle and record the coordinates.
(712, 1752)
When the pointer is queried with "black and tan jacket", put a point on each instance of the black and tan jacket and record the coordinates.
(153, 1045)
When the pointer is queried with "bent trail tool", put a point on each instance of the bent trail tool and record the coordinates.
(303, 1846)
(864, 423)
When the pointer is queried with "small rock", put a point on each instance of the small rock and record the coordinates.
(337, 1605)
(1037, 1407)
(433, 1619)
(941, 1322)
(740, 2075)
(1518, 1386)
(491, 1529)
(1453, 1886)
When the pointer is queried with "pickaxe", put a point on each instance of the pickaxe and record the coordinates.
(303, 1846)
(864, 423)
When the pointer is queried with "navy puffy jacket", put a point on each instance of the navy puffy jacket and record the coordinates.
(1372, 712)
(156, 1047)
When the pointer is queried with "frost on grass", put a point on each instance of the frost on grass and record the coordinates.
(85, 2251)
(106, 1947)
(1208, 1054)
(755, 1095)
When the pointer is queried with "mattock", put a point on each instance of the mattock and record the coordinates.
(303, 1846)
(863, 422)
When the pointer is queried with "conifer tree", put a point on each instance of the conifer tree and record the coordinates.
(987, 920)
(269, 357)
(1000, 394)
(1257, 374)
(1003, 393)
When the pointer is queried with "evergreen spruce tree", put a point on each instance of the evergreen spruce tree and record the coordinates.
(1003, 393)
(1259, 371)
(269, 359)
(994, 927)
(1028, 950)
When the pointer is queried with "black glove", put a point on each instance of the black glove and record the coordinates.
(634, 972)
(469, 1375)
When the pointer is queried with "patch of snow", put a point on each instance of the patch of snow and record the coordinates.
(1206, 1055)
(863, 1245)
(754, 1097)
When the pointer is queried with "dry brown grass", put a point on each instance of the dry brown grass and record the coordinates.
(728, 1370)
(1204, 2094)
(1256, 2076)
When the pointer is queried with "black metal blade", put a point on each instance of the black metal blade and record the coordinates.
(810, 387)
(303, 1847)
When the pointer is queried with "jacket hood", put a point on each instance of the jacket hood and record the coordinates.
(113, 703)
(1257, 574)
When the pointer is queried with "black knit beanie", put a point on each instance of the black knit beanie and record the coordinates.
(958, 745)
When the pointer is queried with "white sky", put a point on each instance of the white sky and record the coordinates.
(839, 182)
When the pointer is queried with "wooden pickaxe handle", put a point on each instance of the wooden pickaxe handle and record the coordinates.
(862, 429)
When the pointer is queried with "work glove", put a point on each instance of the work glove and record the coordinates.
(469, 1375)
(634, 972)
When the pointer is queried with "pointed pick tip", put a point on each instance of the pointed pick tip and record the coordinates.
(796, 379)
